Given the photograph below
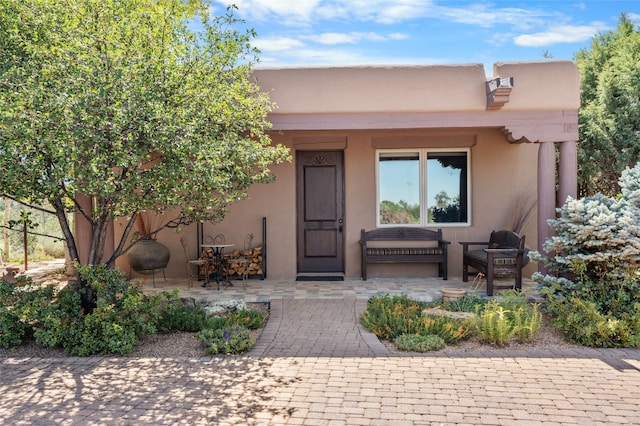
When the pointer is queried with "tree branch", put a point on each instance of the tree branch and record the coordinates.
(31, 206)
(57, 237)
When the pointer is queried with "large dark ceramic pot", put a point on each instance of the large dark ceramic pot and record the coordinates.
(147, 256)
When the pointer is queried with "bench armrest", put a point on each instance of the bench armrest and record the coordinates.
(503, 250)
(466, 244)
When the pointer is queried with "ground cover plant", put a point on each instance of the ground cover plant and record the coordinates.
(389, 317)
(411, 326)
(123, 316)
(592, 291)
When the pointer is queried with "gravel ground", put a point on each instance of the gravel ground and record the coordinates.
(185, 344)
(172, 345)
(548, 338)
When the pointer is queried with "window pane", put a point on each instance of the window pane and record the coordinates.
(399, 186)
(447, 187)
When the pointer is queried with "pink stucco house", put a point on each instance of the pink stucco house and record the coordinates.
(427, 146)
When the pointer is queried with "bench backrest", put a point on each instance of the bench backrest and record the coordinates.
(506, 239)
(401, 233)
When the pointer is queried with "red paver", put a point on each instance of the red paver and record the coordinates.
(294, 377)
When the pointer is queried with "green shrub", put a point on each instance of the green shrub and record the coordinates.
(596, 246)
(177, 315)
(226, 340)
(451, 330)
(583, 323)
(500, 320)
(390, 316)
(467, 303)
(249, 319)
(596, 314)
(102, 332)
(493, 325)
(252, 320)
(122, 316)
(12, 330)
(526, 318)
(527, 322)
(58, 324)
(20, 305)
(417, 343)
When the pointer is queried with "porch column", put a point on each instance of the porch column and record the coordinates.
(546, 192)
(83, 232)
(568, 171)
(83, 229)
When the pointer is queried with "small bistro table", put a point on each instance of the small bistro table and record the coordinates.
(218, 250)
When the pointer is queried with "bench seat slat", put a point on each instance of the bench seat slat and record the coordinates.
(418, 254)
(411, 251)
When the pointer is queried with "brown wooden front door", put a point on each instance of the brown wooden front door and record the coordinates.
(320, 211)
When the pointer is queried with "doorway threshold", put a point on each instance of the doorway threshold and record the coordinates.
(320, 276)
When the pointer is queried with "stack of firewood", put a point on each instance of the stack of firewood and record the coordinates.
(254, 266)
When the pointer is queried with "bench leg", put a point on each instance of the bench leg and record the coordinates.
(489, 281)
(465, 272)
(519, 279)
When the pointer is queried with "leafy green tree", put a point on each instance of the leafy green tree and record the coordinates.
(442, 199)
(399, 213)
(609, 117)
(122, 101)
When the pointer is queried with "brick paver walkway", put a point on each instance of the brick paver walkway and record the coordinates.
(317, 328)
(295, 376)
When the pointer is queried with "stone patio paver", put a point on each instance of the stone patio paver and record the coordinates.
(310, 390)
(315, 365)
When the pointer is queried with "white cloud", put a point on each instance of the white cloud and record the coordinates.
(340, 57)
(500, 39)
(559, 34)
(398, 36)
(312, 31)
(335, 38)
(488, 16)
(402, 11)
(261, 10)
(350, 38)
(305, 12)
(277, 44)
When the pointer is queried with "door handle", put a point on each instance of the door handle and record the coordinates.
(340, 226)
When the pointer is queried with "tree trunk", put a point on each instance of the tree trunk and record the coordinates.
(88, 299)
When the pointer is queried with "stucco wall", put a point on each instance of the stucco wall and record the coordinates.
(502, 173)
(543, 85)
(359, 104)
(540, 85)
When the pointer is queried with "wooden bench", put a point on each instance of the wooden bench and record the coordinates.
(504, 255)
(420, 254)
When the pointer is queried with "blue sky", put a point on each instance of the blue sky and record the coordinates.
(423, 32)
